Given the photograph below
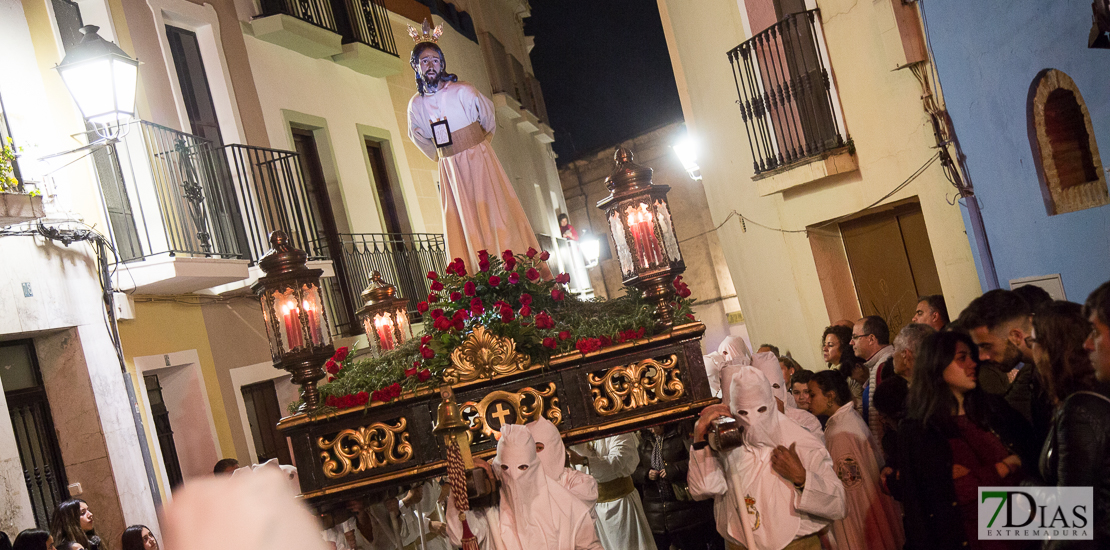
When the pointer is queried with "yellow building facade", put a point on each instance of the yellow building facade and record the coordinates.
(838, 206)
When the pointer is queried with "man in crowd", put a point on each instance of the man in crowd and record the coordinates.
(776, 490)
(534, 512)
(225, 466)
(1097, 310)
(873, 521)
(871, 342)
(553, 456)
(890, 396)
(931, 311)
(621, 522)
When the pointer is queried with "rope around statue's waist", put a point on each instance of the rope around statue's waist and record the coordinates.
(614, 489)
(462, 139)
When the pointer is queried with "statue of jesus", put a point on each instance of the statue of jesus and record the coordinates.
(453, 123)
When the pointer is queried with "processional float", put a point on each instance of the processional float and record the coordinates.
(476, 369)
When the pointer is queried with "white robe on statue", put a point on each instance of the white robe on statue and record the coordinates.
(621, 523)
(481, 210)
(755, 506)
(535, 512)
(553, 457)
(768, 364)
(874, 521)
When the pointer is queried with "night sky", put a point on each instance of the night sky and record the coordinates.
(604, 69)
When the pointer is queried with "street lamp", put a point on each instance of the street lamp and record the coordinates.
(640, 222)
(102, 79)
(293, 310)
(688, 155)
(384, 316)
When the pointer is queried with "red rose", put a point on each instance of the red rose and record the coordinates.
(436, 286)
(476, 307)
(427, 352)
(432, 275)
(459, 314)
(605, 341)
(507, 316)
(331, 379)
(525, 299)
(331, 401)
(424, 375)
(640, 332)
(455, 296)
(437, 312)
(394, 389)
(526, 312)
(458, 324)
(514, 277)
(483, 254)
(433, 298)
(544, 255)
(685, 292)
(563, 335)
(331, 367)
(532, 274)
(562, 278)
(690, 316)
(469, 288)
(410, 372)
(450, 269)
(587, 345)
(510, 263)
(422, 307)
(549, 342)
(543, 320)
(506, 255)
(557, 294)
(532, 252)
(341, 353)
(483, 265)
(442, 323)
(494, 281)
(460, 267)
(363, 398)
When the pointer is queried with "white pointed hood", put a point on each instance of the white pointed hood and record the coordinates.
(735, 351)
(554, 454)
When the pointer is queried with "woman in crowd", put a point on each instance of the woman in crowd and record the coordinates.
(73, 521)
(675, 518)
(138, 537)
(836, 349)
(1077, 450)
(33, 539)
(957, 422)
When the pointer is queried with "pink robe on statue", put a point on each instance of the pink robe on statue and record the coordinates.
(481, 210)
(874, 521)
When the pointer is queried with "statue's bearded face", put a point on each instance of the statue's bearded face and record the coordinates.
(430, 66)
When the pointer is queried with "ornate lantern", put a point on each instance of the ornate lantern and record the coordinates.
(384, 316)
(640, 222)
(293, 308)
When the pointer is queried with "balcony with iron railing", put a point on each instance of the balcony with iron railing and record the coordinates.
(353, 33)
(516, 92)
(787, 98)
(186, 214)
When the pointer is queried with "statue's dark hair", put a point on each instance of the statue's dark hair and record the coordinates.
(414, 62)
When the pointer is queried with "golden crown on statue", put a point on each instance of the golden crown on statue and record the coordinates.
(426, 33)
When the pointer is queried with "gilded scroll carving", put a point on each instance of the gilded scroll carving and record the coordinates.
(643, 383)
(357, 450)
(504, 407)
(484, 355)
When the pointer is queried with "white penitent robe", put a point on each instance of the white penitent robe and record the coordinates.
(621, 523)
(416, 521)
(754, 506)
(873, 521)
(481, 210)
(768, 364)
(553, 457)
(534, 512)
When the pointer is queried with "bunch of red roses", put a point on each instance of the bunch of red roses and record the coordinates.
(681, 288)
(338, 362)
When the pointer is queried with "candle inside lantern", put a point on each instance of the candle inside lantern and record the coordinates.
(640, 223)
(291, 313)
(402, 326)
(315, 328)
(384, 326)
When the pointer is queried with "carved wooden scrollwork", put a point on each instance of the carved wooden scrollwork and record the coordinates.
(484, 355)
(504, 407)
(643, 383)
(357, 450)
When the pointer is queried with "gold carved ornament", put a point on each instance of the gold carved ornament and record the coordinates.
(357, 450)
(643, 383)
(528, 405)
(484, 355)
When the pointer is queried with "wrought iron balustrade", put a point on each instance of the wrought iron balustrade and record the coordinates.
(269, 187)
(369, 24)
(317, 12)
(166, 193)
(786, 93)
(403, 259)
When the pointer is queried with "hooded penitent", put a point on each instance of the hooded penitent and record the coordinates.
(760, 488)
(554, 454)
(713, 363)
(735, 351)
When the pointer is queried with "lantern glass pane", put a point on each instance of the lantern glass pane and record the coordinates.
(126, 76)
(620, 237)
(90, 84)
(404, 328)
(312, 315)
(276, 348)
(384, 327)
(371, 335)
(646, 248)
(666, 228)
(290, 324)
